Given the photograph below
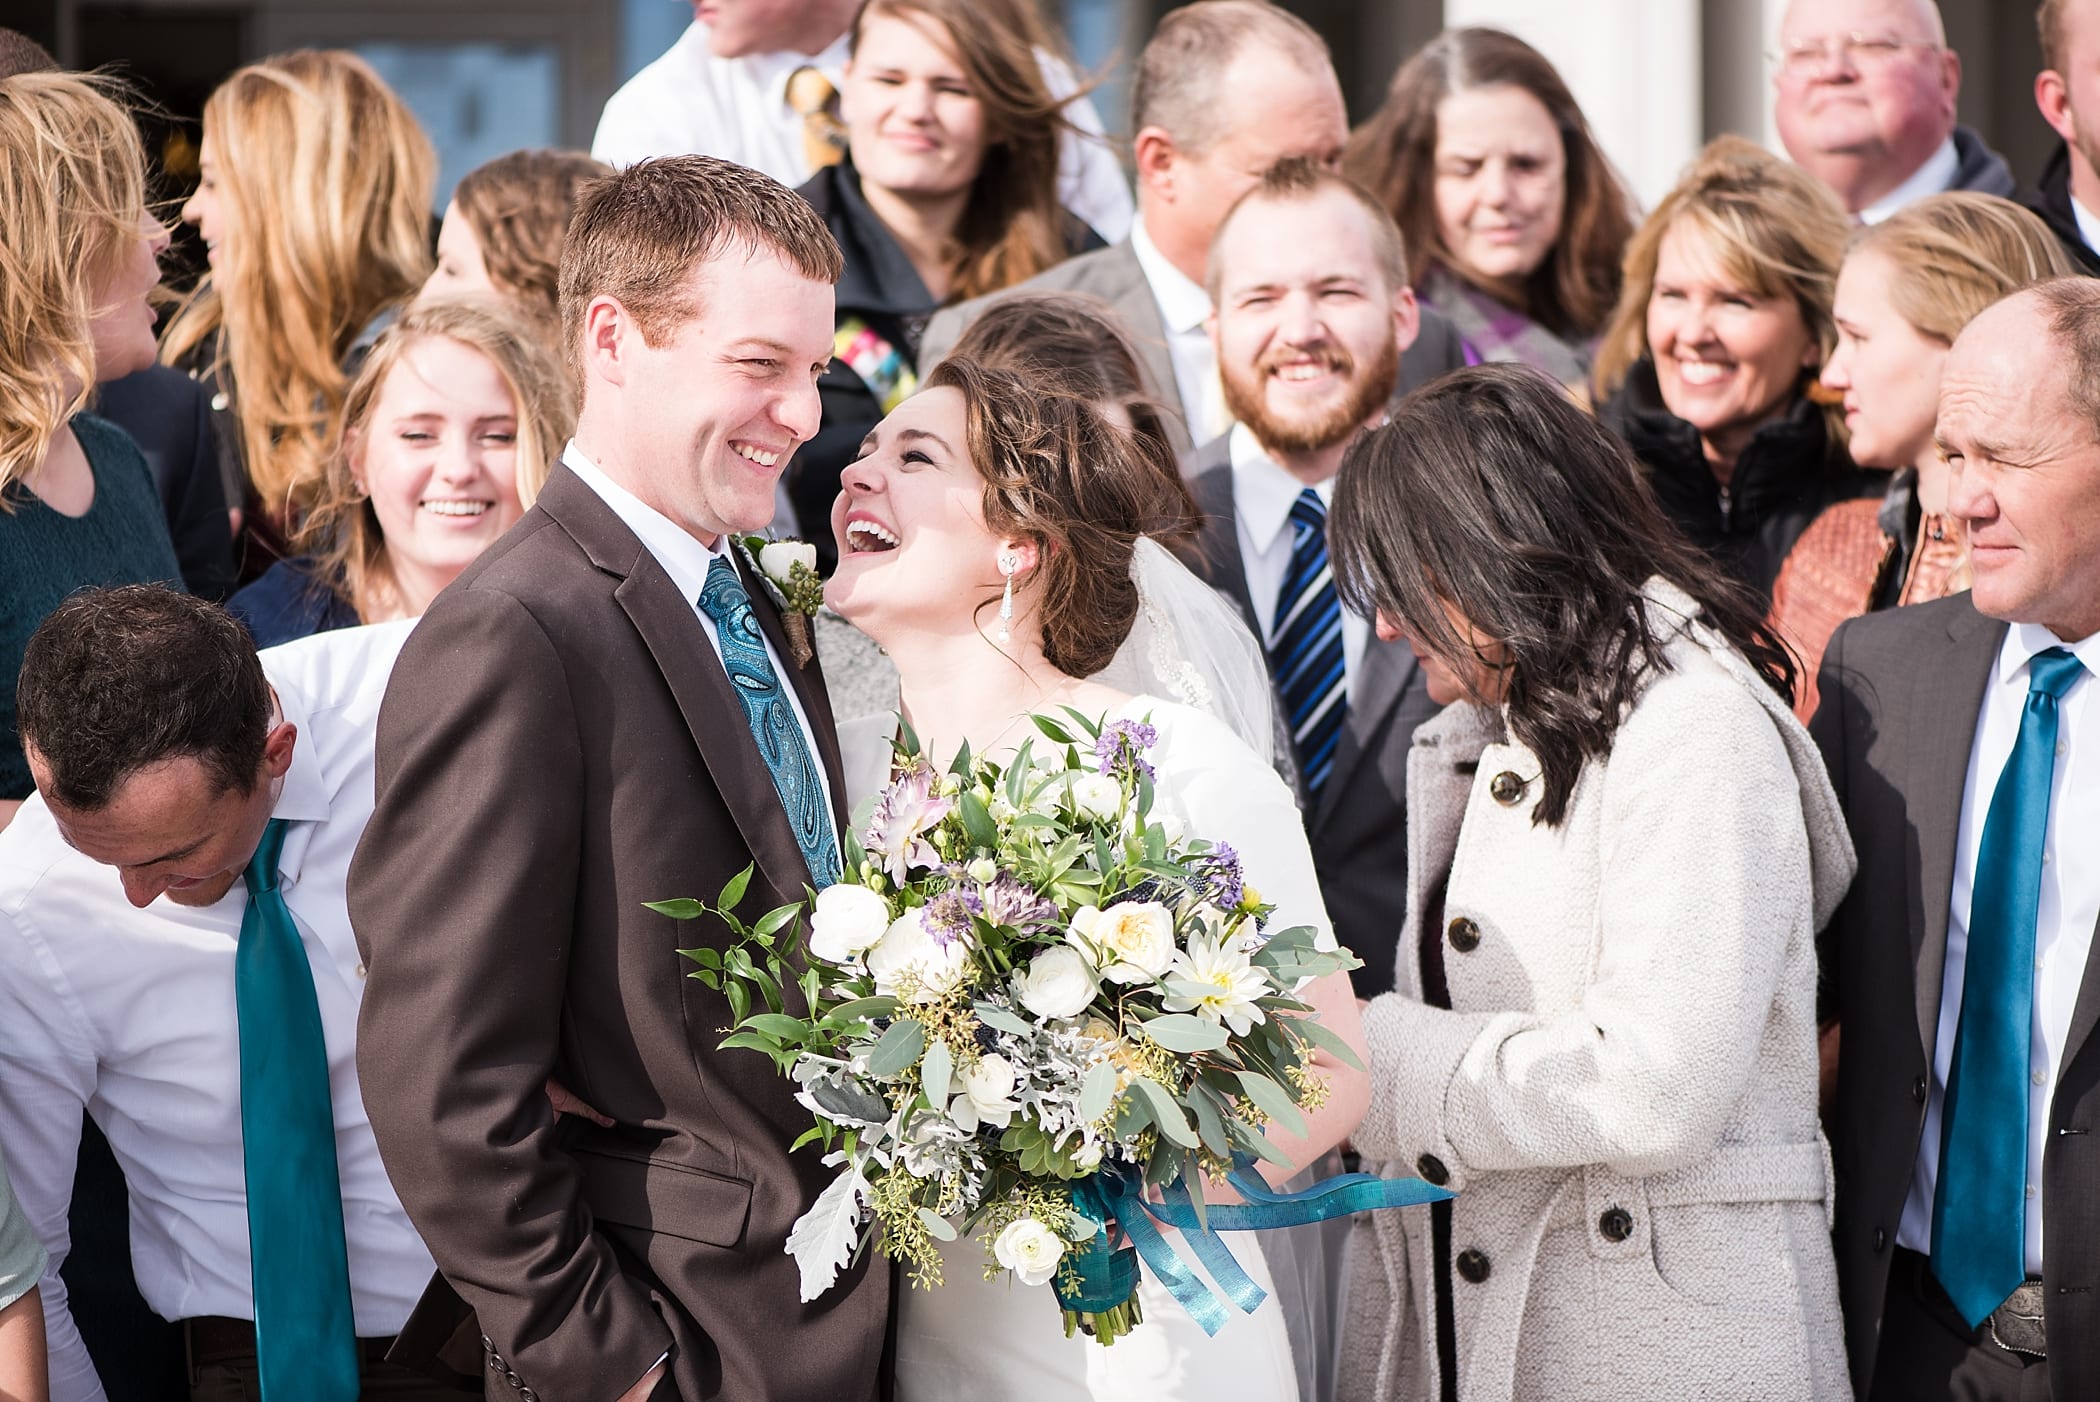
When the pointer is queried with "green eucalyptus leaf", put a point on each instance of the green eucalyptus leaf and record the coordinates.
(898, 1049)
(1274, 1101)
(733, 893)
(992, 1015)
(939, 1226)
(684, 908)
(1173, 1121)
(1193, 1182)
(936, 1071)
(1080, 1227)
(1258, 1145)
(1098, 1092)
(1210, 1122)
(1329, 1040)
(1184, 1032)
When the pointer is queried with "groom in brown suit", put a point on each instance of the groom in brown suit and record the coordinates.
(569, 734)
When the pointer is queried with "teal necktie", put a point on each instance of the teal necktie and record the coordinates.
(772, 720)
(1979, 1210)
(305, 1336)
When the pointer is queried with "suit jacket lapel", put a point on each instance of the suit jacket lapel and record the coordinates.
(1386, 671)
(1944, 705)
(1140, 312)
(1219, 539)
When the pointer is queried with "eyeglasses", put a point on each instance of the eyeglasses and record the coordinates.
(1801, 58)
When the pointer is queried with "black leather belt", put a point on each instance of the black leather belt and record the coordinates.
(214, 1339)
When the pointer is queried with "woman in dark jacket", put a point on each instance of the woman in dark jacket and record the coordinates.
(948, 191)
(1708, 362)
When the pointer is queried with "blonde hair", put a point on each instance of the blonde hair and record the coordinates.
(72, 207)
(1956, 253)
(1773, 227)
(326, 181)
(519, 206)
(342, 531)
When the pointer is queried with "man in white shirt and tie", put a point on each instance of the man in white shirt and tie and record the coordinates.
(166, 754)
(756, 82)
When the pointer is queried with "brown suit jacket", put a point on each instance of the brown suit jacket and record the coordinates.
(558, 745)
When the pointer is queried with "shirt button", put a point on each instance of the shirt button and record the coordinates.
(2040, 1078)
(360, 971)
(2032, 1191)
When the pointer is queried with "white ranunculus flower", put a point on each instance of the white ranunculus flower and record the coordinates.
(1058, 983)
(1097, 797)
(989, 1087)
(1030, 1250)
(847, 919)
(777, 558)
(983, 870)
(1134, 940)
(907, 947)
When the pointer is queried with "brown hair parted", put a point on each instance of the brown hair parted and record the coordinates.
(1297, 180)
(1058, 473)
(1179, 86)
(1394, 156)
(519, 207)
(72, 208)
(2072, 308)
(1956, 253)
(1772, 226)
(1490, 493)
(1012, 226)
(638, 234)
(324, 181)
(115, 680)
(343, 532)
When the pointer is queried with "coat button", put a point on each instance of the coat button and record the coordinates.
(1505, 788)
(1616, 1223)
(1881, 1239)
(1463, 934)
(1472, 1265)
(1917, 1090)
(1430, 1169)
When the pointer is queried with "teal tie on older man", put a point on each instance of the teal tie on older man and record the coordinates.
(305, 1334)
(1979, 1205)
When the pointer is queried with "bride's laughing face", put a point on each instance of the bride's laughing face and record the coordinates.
(914, 550)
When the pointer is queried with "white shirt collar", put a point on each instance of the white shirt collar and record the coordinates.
(1262, 491)
(769, 73)
(1935, 175)
(685, 559)
(2088, 224)
(1183, 305)
(2024, 640)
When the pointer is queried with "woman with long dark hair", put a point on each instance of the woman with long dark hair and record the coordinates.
(1621, 845)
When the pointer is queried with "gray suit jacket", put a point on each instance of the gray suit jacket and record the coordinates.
(1114, 275)
(1358, 830)
(1901, 691)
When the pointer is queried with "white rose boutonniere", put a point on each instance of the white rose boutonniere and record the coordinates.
(789, 571)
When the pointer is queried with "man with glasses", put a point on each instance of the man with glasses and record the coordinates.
(1865, 103)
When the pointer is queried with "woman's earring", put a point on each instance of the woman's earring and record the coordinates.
(1008, 564)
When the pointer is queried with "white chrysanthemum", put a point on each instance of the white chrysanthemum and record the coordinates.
(1215, 980)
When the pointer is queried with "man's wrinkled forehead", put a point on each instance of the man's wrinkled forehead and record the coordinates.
(1912, 21)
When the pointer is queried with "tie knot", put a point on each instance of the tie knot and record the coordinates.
(261, 874)
(1308, 509)
(809, 92)
(2053, 671)
(722, 596)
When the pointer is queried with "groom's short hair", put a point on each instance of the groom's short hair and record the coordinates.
(637, 235)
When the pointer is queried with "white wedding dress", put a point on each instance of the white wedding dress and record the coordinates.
(978, 1341)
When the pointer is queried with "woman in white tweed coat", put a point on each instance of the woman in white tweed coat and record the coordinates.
(1621, 844)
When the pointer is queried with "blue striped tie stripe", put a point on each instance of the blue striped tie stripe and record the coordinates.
(1305, 646)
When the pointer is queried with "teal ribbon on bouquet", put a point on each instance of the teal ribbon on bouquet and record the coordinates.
(1100, 1278)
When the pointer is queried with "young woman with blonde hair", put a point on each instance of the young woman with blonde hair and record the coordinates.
(448, 434)
(315, 213)
(79, 259)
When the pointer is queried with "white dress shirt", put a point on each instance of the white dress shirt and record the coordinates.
(736, 108)
(1262, 496)
(2088, 224)
(1931, 178)
(687, 561)
(130, 1014)
(2069, 909)
(1184, 309)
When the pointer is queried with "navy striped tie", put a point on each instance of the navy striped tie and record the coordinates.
(1305, 646)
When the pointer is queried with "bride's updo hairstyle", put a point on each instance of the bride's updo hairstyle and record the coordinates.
(1056, 472)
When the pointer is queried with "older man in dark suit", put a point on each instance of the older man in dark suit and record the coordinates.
(601, 713)
(1314, 314)
(1224, 90)
(1964, 740)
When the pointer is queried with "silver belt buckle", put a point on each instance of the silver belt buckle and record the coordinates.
(2016, 1325)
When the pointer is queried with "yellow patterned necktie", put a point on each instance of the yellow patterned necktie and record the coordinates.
(813, 98)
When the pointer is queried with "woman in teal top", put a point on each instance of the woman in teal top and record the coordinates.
(22, 1369)
(77, 504)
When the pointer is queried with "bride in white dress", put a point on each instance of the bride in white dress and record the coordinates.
(986, 539)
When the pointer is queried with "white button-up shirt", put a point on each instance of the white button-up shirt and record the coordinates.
(1184, 309)
(736, 108)
(129, 1014)
(2064, 921)
(1262, 497)
(1931, 178)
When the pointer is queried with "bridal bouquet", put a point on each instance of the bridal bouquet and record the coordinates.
(1031, 1001)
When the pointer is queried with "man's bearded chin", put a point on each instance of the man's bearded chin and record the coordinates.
(1368, 392)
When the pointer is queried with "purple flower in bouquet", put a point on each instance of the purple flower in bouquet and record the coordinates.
(1223, 881)
(1121, 748)
(907, 810)
(948, 915)
(1012, 902)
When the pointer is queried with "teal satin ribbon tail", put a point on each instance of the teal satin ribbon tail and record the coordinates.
(1099, 1278)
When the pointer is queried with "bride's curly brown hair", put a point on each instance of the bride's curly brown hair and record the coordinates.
(1059, 474)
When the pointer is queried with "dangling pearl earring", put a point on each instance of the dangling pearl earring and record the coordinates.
(1008, 564)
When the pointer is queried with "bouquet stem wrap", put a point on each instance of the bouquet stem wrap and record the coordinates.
(1100, 1278)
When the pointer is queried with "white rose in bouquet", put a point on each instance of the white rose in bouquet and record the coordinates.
(777, 558)
(988, 1086)
(847, 919)
(1097, 797)
(1057, 983)
(908, 948)
(1030, 1250)
(1135, 940)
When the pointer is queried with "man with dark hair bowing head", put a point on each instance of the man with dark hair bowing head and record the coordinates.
(604, 711)
(1964, 740)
